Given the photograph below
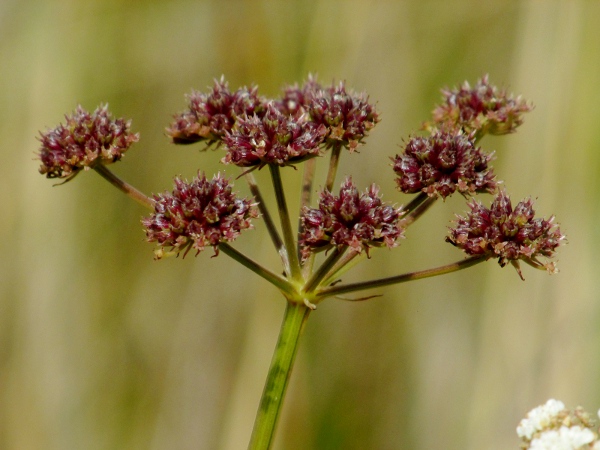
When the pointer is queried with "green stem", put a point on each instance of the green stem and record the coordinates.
(419, 198)
(324, 269)
(132, 192)
(308, 177)
(286, 224)
(354, 287)
(478, 136)
(276, 280)
(266, 216)
(416, 208)
(278, 377)
(333, 166)
(342, 266)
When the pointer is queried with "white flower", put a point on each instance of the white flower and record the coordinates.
(539, 418)
(563, 439)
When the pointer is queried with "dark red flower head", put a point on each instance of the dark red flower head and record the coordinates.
(506, 233)
(295, 99)
(84, 141)
(348, 116)
(198, 214)
(210, 116)
(482, 109)
(351, 219)
(275, 138)
(443, 163)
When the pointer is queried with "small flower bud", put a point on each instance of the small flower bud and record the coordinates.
(506, 233)
(351, 219)
(347, 116)
(295, 99)
(198, 214)
(443, 163)
(84, 141)
(275, 138)
(482, 109)
(210, 116)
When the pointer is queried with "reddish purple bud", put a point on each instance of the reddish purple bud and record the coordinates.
(295, 99)
(348, 116)
(351, 219)
(198, 214)
(84, 141)
(482, 109)
(506, 233)
(442, 164)
(275, 138)
(210, 116)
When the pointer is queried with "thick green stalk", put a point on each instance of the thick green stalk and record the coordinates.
(278, 377)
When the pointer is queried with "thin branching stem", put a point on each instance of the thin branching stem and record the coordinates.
(266, 216)
(418, 210)
(333, 165)
(411, 276)
(347, 262)
(308, 177)
(324, 269)
(128, 189)
(307, 265)
(412, 205)
(286, 224)
(276, 280)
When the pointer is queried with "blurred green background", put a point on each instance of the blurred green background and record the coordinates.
(103, 348)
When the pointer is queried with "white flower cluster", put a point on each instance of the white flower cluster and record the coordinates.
(552, 427)
(539, 418)
(564, 438)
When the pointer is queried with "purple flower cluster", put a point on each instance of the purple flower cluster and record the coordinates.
(442, 164)
(275, 138)
(506, 233)
(84, 141)
(210, 116)
(198, 214)
(304, 122)
(257, 131)
(482, 109)
(295, 99)
(351, 219)
(348, 116)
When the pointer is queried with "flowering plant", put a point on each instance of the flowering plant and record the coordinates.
(552, 426)
(308, 122)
